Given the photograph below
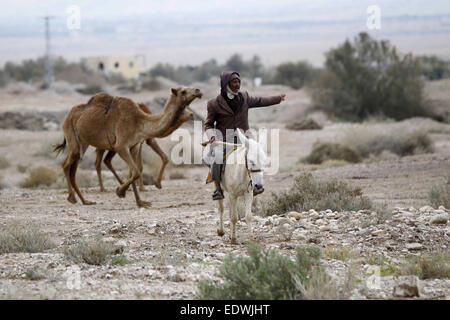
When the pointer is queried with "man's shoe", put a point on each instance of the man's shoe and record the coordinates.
(218, 195)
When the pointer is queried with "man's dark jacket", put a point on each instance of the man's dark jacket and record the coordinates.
(223, 116)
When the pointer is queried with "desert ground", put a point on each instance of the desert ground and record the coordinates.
(173, 245)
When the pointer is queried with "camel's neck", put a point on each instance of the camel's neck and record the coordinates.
(158, 124)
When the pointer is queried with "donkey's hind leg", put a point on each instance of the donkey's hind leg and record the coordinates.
(220, 231)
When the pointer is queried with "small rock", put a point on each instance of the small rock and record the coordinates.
(295, 215)
(426, 209)
(414, 246)
(407, 287)
(324, 228)
(299, 234)
(439, 219)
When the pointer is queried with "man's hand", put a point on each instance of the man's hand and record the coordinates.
(283, 96)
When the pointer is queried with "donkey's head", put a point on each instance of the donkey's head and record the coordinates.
(256, 160)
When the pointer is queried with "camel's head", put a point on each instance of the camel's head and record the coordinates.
(186, 115)
(185, 95)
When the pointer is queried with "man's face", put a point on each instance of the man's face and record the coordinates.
(235, 85)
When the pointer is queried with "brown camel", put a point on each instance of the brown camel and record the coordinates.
(186, 115)
(117, 124)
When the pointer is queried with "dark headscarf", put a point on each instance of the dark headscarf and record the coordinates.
(235, 103)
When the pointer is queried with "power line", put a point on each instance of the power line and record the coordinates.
(48, 63)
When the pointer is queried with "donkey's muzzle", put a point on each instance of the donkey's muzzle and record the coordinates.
(258, 189)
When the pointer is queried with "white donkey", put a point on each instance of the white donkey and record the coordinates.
(243, 174)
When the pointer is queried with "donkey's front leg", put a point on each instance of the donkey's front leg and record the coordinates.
(248, 199)
(233, 219)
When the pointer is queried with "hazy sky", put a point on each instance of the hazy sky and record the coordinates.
(190, 32)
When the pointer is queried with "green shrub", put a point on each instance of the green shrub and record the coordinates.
(4, 163)
(94, 252)
(368, 77)
(35, 274)
(439, 195)
(40, 176)
(323, 151)
(263, 275)
(295, 75)
(120, 261)
(22, 168)
(307, 193)
(20, 238)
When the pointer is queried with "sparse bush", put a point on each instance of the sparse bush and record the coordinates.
(20, 238)
(94, 252)
(340, 253)
(439, 195)
(401, 142)
(120, 261)
(151, 85)
(435, 266)
(176, 175)
(368, 77)
(323, 151)
(84, 179)
(4, 163)
(40, 176)
(264, 275)
(90, 89)
(35, 274)
(434, 68)
(295, 75)
(307, 193)
(22, 168)
(305, 124)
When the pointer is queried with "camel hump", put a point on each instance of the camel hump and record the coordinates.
(100, 99)
(144, 108)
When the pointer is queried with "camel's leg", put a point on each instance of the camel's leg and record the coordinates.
(165, 160)
(141, 168)
(70, 159)
(98, 167)
(233, 218)
(73, 172)
(108, 163)
(248, 199)
(125, 154)
(220, 230)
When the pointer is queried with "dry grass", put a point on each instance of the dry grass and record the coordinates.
(93, 252)
(305, 124)
(40, 176)
(85, 179)
(434, 266)
(340, 253)
(439, 195)
(400, 141)
(176, 175)
(24, 238)
(4, 163)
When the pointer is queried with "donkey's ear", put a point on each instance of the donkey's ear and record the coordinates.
(242, 138)
(174, 91)
(263, 137)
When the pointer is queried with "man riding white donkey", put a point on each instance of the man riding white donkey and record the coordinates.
(227, 113)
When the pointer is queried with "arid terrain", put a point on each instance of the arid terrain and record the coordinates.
(173, 245)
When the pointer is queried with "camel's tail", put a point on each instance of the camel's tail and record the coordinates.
(60, 147)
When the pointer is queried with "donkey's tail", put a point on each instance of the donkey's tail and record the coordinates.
(58, 148)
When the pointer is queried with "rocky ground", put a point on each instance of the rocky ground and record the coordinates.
(167, 249)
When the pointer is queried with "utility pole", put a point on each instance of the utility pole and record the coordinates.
(48, 63)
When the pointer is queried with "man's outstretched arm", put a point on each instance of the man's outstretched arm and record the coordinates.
(256, 102)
